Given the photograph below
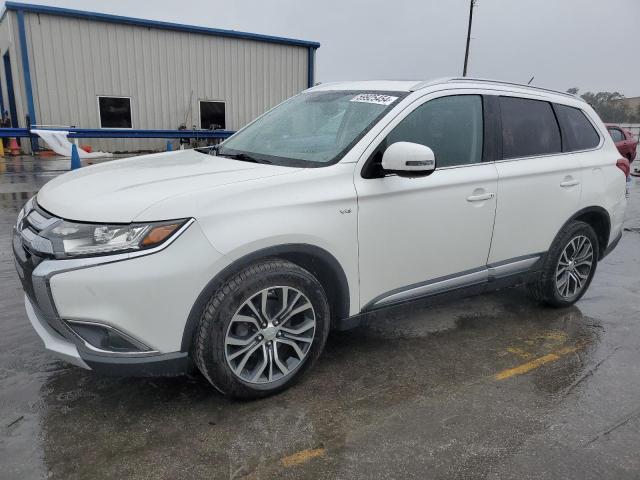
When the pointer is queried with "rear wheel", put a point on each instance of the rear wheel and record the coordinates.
(569, 266)
(262, 329)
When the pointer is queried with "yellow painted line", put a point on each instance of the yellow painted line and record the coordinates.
(519, 352)
(536, 363)
(302, 457)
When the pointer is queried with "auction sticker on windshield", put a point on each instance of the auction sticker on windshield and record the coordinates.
(374, 98)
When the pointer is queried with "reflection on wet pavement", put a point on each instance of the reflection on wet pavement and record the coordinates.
(485, 387)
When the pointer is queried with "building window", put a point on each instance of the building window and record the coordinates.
(115, 112)
(212, 115)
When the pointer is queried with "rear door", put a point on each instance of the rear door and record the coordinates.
(539, 186)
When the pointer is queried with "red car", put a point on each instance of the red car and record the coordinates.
(624, 140)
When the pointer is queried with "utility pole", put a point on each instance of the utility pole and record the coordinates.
(472, 3)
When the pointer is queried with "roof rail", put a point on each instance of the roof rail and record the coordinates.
(429, 83)
(494, 82)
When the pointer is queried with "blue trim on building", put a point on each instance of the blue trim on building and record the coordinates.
(311, 65)
(103, 17)
(24, 51)
(120, 133)
(1, 101)
(8, 74)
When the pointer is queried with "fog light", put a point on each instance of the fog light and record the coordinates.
(105, 338)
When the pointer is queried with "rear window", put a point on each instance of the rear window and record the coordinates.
(578, 131)
(529, 128)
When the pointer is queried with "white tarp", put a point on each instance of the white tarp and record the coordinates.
(58, 142)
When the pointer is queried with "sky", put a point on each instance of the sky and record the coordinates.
(590, 44)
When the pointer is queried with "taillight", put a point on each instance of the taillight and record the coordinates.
(623, 164)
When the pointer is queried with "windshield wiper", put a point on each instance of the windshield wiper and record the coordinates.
(244, 157)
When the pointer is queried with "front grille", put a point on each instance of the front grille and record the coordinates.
(29, 250)
(36, 221)
(26, 262)
(30, 227)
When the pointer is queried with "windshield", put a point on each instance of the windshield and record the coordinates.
(310, 129)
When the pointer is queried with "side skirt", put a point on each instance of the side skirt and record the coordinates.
(494, 277)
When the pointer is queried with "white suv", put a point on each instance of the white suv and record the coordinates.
(347, 198)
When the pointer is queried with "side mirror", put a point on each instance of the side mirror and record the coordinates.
(406, 158)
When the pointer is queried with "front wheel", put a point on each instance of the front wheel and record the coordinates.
(262, 329)
(569, 266)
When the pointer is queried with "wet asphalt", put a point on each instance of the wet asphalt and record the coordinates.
(488, 387)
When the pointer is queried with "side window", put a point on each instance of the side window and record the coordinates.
(578, 132)
(529, 128)
(617, 135)
(451, 126)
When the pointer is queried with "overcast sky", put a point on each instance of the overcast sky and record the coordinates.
(591, 44)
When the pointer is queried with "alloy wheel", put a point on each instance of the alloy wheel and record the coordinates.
(270, 335)
(574, 267)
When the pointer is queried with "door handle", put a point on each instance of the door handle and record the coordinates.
(569, 183)
(480, 198)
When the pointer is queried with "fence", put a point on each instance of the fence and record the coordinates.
(633, 128)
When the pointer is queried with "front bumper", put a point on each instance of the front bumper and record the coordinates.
(53, 341)
(145, 298)
(168, 364)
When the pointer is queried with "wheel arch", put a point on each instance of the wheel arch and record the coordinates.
(598, 218)
(322, 264)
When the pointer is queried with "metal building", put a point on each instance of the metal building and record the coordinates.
(91, 70)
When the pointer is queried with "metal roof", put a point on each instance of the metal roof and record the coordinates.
(104, 17)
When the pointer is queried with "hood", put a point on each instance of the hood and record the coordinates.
(117, 191)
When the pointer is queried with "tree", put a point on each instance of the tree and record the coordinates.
(608, 105)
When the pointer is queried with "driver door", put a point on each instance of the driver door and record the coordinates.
(431, 233)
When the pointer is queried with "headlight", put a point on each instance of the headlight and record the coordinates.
(84, 239)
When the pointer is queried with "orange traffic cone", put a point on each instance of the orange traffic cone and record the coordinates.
(13, 146)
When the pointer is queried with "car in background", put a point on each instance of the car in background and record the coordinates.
(624, 140)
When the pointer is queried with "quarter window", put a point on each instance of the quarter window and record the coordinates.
(115, 112)
(529, 128)
(578, 131)
(617, 135)
(451, 126)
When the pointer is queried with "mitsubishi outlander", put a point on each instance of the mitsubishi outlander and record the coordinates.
(345, 199)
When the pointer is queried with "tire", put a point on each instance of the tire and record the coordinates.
(236, 314)
(550, 287)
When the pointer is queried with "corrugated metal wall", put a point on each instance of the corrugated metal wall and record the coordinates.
(164, 72)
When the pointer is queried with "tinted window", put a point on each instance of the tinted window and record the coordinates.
(450, 126)
(115, 112)
(578, 132)
(529, 127)
(212, 115)
(617, 135)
